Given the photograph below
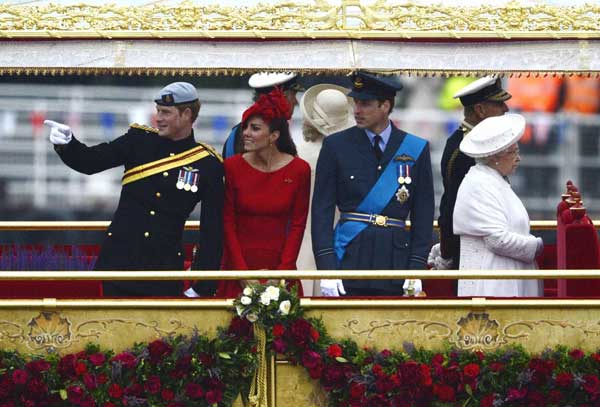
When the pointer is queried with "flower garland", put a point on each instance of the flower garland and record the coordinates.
(200, 371)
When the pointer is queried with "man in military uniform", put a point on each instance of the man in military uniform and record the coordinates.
(481, 99)
(378, 176)
(166, 174)
(263, 83)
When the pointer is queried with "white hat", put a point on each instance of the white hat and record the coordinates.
(486, 88)
(327, 108)
(268, 79)
(493, 135)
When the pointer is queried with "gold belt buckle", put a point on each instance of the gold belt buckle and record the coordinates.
(381, 220)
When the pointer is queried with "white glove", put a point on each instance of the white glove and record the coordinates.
(412, 287)
(190, 293)
(332, 288)
(436, 261)
(60, 134)
(540, 247)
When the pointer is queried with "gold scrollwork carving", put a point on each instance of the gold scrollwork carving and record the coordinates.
(439, 330)
(290, 19)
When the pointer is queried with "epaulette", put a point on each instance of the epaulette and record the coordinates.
(211, 150)
(143, 127)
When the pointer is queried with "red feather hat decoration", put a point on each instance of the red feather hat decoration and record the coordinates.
(272, 105)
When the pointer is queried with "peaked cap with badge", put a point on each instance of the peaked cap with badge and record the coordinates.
(375, 197)
(488, 88)
(163, 181)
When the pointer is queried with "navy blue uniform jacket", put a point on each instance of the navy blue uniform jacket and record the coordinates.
(147, 228)
(346, 171)
(454, 166)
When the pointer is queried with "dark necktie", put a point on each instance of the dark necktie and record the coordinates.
(376, 148)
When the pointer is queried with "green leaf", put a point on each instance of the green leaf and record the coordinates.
(63, 394)
(341, 359)
(224, 355)
(469, 390)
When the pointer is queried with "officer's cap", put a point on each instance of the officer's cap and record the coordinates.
(493, 135)
(264, 82)
(488, 88)
(177, 93)
(368, 87)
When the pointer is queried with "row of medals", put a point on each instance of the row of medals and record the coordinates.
(187, 180)
(404, 179)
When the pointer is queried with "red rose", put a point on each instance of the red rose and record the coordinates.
(167, 394)
(37, 366)
(310, 359)
(384, 384)
(334, 376)
(102, 378)
(278, 330)
(206, 359)
(36, 388)
(334, 350)
(480, 355)
(80, 368)
(87, 402)
(496, 367)
(90, 381)
(214, 396)
(471, 370)
(194, 390)
(591, 383)
(19, 376)
(596, 357)
(134, 389)
(242, 328)
(314, 334)
(109, 404)
(378, 370)
(487, 401)
(425, 376)
(576, 354)
(437, 359)
(316, 371)
(6, 386)
(66, 366)
(126, 359)
(357, 390)
(564, 379)
(535, 398)
(75, 394)
(444, 392)
(279, 345)
(153, 385)
(115, 391)
(158, 350)
(97, 359)
(555, 397)
(8, 404)
(300, 331)
(516, 394)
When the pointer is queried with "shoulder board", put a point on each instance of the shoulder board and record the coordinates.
(143, 127)
(211, 150)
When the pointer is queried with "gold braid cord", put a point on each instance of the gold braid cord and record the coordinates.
(300, 20)
(258, 387)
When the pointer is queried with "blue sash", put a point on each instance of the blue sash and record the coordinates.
(230, 142)
(378, 197)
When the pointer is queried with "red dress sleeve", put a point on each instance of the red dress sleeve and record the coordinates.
(233, 251)
(299, 213)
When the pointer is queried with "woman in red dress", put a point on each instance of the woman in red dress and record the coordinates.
(267, 191)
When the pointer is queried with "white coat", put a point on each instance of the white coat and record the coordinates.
(493, 226)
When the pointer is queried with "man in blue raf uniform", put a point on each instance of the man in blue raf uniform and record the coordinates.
(481, 99)
(263, 83)
(166, 174)
(378, 176)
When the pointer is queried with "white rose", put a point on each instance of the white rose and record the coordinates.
(272, 292)
(246, 300)
(248, 291)
(265, 299)
(284, 307)
(252, 317)
(239, 310)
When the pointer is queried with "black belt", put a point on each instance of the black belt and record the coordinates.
(374, 219)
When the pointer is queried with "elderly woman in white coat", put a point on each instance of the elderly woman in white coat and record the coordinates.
(326, 110)
(490, 218)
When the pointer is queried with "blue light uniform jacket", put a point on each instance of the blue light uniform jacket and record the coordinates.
(346, 171)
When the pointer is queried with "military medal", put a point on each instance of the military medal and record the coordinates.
(407, 179)
(180, 179)
(402, 194)
(194, 187)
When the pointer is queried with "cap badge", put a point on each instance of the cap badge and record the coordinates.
(358, 83)
(168, 98)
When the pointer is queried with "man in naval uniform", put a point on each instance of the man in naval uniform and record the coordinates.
(166, 173)
(263, 83)
(481, 99)
(378, 176)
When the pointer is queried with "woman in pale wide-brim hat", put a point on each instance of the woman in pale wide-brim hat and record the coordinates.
(489, 217)
(326, 110)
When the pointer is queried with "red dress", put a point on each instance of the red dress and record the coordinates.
(264, 217)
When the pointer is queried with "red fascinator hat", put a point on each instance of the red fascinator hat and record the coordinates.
(272, 105)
